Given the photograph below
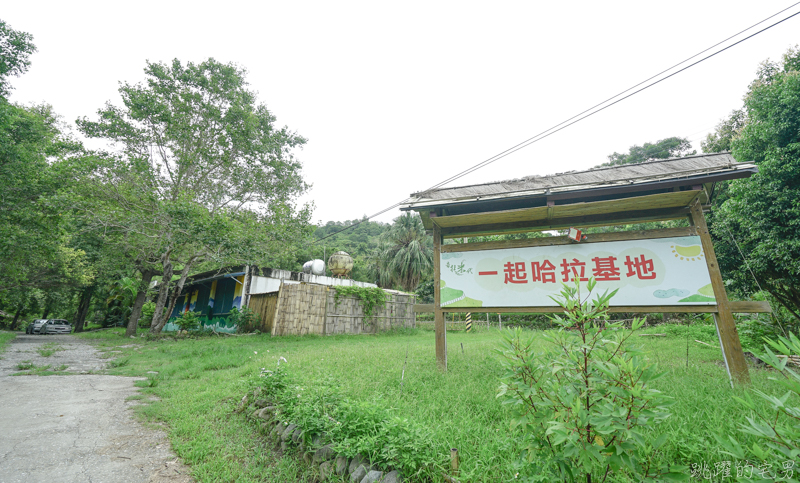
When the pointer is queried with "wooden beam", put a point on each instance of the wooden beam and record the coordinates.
(749, 307)
(563, 240)
(559, 223)
(737, 307)
(726, 326)
(423, 308)
(679, 199)
(438, 318)
(625, 309)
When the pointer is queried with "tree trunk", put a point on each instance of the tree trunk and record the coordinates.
(16, 316)
(83, 308)
(141, 297)
(175, 294)
(163, 291)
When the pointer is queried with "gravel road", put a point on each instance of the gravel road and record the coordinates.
(76, 427)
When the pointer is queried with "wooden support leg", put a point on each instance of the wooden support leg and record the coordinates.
(438, 319)
(726, 326)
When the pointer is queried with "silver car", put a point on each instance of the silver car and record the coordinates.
(56, 326)
(36, 326)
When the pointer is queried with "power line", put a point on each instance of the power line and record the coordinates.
(590, 111)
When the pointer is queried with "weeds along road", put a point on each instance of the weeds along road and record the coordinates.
(69, 423)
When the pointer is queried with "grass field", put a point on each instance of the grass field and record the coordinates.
(199, 381)
(5, 338)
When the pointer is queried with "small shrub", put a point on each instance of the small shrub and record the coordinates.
(148, 309)
(775, 459)
(245, 319)
(188, 321)
(582, 404)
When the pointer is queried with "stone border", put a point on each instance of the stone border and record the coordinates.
(287, 436)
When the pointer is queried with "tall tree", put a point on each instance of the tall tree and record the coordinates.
(34, 235)
(201, 172)
(16, 48)
(760, 220)
(673, 147)
(404, 255)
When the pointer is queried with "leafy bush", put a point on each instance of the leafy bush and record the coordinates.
(188, 320)
(779, 430)
(355, 427)
(581, 406)
(148, 309)
(753, 331)
(245, 319)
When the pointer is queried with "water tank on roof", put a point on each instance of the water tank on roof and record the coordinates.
(340, 264)
(314, 267)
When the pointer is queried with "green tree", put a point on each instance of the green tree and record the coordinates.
(16, 48)
(404, 254)
(35, 236)
(673, 147)
(762, 213)
(201, 172)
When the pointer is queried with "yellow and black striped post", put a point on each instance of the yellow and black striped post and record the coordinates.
(469, 322)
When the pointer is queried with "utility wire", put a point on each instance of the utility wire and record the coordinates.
(588, 112)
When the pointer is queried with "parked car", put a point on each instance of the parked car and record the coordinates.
(56, 326)
(35, 326)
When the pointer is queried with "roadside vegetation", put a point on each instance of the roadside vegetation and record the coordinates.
(198, 382)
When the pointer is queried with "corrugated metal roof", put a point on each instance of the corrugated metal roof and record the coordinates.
(628, 174)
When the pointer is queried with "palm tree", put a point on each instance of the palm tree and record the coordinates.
(404, 254)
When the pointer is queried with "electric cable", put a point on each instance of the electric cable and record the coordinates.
(588, 112)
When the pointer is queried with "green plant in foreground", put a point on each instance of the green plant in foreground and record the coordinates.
(779, 430)
(244, 319)
(188, 320)
(370, 297)
(581, 404)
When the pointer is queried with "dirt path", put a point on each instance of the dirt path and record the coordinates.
(76, 427)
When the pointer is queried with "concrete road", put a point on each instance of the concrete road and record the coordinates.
(77, 427)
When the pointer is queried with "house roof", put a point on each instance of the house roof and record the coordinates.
(574, 181)
(648, 186)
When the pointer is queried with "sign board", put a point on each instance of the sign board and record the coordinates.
(652, 272)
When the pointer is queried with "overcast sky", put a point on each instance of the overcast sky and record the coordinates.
(397, 96)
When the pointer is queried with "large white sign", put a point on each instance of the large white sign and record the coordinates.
(663, 271)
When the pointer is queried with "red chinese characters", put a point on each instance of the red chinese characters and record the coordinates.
(641, 267)
(576, 268)
(544, 272)
(515, 272)
(604, 269)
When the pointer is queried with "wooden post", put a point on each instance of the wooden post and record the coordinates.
(732, 352)
(438, 315)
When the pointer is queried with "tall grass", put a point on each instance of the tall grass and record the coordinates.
(198, 382)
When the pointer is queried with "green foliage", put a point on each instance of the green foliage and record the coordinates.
(370, 297)
(777, 430)
(582, 405)
(178, 192)
(673, 147)
(15, 49)
(188, 320)
(355, 427)
(148, 309)
(404, 255)
(359, 242)
(245, 319)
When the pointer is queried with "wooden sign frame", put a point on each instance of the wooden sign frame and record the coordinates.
(733, 355)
